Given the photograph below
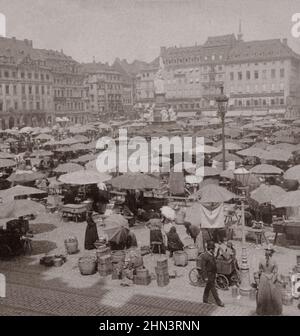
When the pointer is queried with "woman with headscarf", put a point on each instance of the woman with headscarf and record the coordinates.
(174, 242)
(91, 233)
(269, 301)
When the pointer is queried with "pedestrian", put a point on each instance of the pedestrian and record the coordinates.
(269, 301)
(209, 271)
(173, 241)
(192, 230)
(91, 233)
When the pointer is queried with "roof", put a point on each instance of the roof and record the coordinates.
(264, 49)
(97, 67)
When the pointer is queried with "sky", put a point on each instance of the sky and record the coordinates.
(136, 29)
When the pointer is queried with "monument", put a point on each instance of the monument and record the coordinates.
(161, 109)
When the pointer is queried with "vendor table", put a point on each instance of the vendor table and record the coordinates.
(74, 211)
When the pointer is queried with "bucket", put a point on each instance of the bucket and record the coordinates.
(57, 262)
(87, 265)
(71, 245)
(192, 252)
(118, 256)
(180, 258)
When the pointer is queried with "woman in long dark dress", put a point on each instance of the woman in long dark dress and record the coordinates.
(174, 242)
(91, 233)
(269, 301)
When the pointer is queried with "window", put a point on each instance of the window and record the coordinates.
(14, 74)
(42, 77)
(231, 75)
(29, 75)
(248, 102)
(15, 89)
(256, 76)
(273, 73)
(281, 101)
(281, 73)
(47, 77)
(36, 75)
(30, 89)
(24, 105)
(264, 74)
(240, 75)
(38, 105)
(264, 102)
(16, 105)
(272, 101)
(6, 74)
(22, 74)
(37, 89)
(220, 67)
(23, 89)
(7, 89)
(248, 75)
(43, 90)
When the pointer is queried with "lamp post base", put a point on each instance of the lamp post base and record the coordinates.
(245, 287)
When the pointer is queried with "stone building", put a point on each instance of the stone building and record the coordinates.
(26, 85)
(105, 87)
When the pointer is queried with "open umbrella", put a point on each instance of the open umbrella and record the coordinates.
(85, 158)
(277, 155)
(134, 181)
(231, 146)
(84, 177)
(68, 168)
(41, 153)
(17, 208)
(4, 155)
(11, 193)
(24, 176)
(267, 193)
(212, 193)
(210, 171)
(228, 157)
(266, 169)
(113, 224)
(5, 163)
(204, 149)
(292, 173)
(290, 199)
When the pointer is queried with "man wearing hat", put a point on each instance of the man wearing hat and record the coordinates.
(209, 271)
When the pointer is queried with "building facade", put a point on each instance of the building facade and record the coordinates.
(105, 90)
(26, 85)
(261, 76)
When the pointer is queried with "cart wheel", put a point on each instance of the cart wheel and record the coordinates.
(222, 282)
(5, 251)
(196, 277)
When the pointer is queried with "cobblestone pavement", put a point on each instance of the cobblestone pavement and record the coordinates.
(33, 289)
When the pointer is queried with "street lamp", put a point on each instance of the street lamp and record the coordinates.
(222, 101)
(242, 175)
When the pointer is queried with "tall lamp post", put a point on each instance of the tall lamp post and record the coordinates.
(222, 101)
(242, 175)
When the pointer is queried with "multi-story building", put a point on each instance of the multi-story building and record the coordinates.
(262, 75)
(70, 94)
(26, 85)
(194, 74)
(257, 75)
(105, 90)
(145, 82)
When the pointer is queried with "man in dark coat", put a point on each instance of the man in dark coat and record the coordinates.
(209, 271)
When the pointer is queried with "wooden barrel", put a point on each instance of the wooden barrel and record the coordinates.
(105, 265)
(71, 245)
(118, 256)
(180, 258)
(162, 279)
(142, 272)
(192, 252)
(87, 265)
(162, 263)
(102, 251)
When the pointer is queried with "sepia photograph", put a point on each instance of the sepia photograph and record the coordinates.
(149, 161)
